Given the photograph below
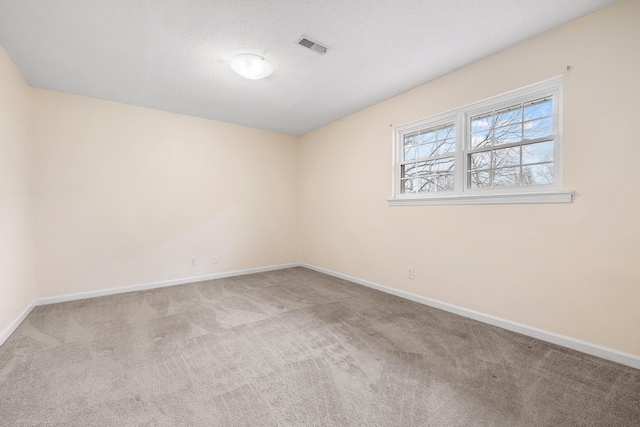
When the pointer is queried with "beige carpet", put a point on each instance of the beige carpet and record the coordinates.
(294, 348)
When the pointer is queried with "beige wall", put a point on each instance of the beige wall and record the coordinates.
(571, 269)
(124, 195)
(16, 221)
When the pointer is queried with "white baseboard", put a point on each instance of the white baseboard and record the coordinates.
(561, 340)
(112, 291)
(572, 343)
(154, 285)
(13, 325)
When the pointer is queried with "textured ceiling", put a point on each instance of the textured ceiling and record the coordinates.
(172, 55)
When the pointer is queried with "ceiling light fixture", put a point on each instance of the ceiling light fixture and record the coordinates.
(251, 66)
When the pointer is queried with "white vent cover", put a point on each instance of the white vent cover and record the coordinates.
(310, 44)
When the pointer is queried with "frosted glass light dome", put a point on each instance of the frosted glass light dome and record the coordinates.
(251, 66)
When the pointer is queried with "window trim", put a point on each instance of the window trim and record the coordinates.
(544, 193)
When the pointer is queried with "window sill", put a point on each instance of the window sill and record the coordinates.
(486, 199)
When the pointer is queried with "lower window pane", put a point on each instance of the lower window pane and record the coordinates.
(506, 157)
(507, 177)
(407, 186)
(444, 165)
(537, 174)
(424, 168)
(479, 179)
(480, 160)
(423, 185)
(408, 170)
(535, 153)
(417, 185)
(444, 182)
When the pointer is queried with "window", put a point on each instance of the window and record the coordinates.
(503, 150)
(428, 160)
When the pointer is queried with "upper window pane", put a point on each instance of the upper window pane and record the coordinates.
(538, 128)
(435, 141)
(525, 121)
(427, 150)
(538, 109)
(447, 146)
(507, 134)
(446, 132)
(410, 153)
(410, 139)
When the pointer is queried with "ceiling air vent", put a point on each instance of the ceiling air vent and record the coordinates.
(310, 44)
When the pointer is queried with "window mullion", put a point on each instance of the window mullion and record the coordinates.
(460, 182)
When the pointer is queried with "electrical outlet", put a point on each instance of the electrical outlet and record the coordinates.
(410, 273)
(215, 259)
(192, 261)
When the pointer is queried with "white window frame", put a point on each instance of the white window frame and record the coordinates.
(546, 193)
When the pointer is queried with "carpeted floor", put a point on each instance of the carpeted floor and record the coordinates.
(294, 348)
